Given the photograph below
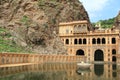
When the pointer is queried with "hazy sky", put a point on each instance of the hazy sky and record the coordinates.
(101, 9)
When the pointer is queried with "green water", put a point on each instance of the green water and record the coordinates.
(61, 71)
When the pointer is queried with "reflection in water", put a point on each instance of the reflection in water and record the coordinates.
(114, 66)
(57, 71)
(114, 74)
(80, 71)
(99, 69)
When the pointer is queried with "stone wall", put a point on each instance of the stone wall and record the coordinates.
(11, 58)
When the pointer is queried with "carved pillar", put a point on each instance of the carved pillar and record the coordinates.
(74, 58)
(67, 58)
(70, 59)
(37, 57)
(44, 58)
(29, 58)
(55, 58)
(61, 58)
(34, 59)
(3, 59)
(51, 58)
(58, 58)
(15, 58)
(20, 57)
(6, 59)
(10, 59)
(25, 58)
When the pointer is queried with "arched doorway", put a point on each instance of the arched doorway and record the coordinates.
(114, 59)
(98, 56)
(80, 52)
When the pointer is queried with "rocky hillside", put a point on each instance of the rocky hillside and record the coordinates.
(34, 23)
(107, 23)
(117, 21)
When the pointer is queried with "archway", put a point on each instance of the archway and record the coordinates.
(75, 41)
(113, 52)
(84, 41)
(113, 41)
(93, 41)
(114, 59)
(98, 41)
(103, 41)
(67, 41)
(80, 52)
(98, 56)
(80, 41)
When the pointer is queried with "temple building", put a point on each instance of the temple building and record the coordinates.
(96, 45)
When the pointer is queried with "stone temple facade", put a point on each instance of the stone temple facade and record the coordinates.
(96, 45)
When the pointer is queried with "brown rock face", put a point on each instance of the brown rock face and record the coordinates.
(117, 21)
(34, 23)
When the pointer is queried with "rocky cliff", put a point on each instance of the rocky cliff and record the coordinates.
(34, 23)
(117, 21)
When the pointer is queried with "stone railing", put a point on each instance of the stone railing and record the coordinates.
(89, 33)
(11, 58)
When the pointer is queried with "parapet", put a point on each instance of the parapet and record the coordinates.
(73, 22)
